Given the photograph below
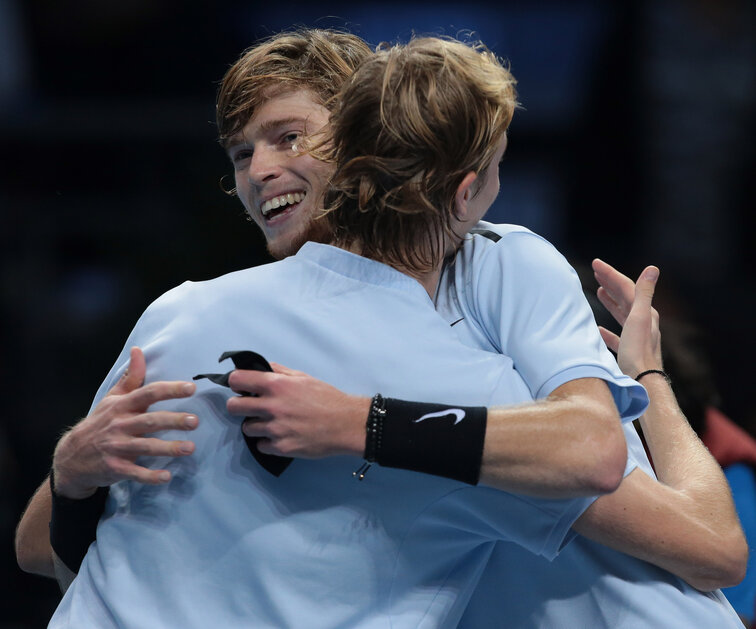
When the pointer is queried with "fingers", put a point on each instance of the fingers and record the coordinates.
(160, 420)
(610, 338)
(618, 286)
(250, 381)
(266, 446)
(286, 371)
(248, 407)
(255, 427)
(645, 286)
(619, 313)
(133, 377)
(132, 471)
(145, 396)
(151, 446)
(136, 370)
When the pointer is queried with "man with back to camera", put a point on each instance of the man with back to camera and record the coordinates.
(363, 439)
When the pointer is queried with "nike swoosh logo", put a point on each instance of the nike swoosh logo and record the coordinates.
(458, 413)
(456, 322)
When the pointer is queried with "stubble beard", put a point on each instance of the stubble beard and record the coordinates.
(314, 230)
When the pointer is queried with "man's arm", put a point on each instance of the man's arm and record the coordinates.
(33, 550)
(686, 522)
(567, 445)
(100, 450)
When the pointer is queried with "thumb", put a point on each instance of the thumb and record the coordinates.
(645, 286)
(133, 377)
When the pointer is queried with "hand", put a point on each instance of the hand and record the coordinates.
(298, 415)
(639, 346)
(102, 447)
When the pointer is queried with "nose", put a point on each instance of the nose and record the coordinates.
(264, 165)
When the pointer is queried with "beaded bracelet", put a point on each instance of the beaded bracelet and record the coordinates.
(374, 427)
(648, 371)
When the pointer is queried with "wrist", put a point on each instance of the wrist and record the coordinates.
(436, 439)
(653, 373)
(63, 479)
(357, 409)
(63, 486)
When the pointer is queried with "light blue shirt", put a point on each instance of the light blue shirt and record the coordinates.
(226, 544)
(513, 293)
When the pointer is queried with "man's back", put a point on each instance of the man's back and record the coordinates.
(228, 544)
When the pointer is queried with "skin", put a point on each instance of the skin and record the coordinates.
(268, 162)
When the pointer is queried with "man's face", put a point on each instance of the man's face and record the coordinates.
(280, 187)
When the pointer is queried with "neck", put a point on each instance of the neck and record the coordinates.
(428, 279)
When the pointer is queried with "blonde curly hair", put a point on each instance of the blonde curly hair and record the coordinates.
(407, 127)
(318, 60)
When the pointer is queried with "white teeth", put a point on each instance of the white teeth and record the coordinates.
(285, 199)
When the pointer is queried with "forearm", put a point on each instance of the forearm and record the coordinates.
(686, 521)
(680, 459)
(683, 463)
(662, 525)
(569, 444)
(33, 550)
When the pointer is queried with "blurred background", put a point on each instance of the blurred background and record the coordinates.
(635, 143)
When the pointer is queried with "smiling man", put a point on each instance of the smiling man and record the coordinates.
(280, 185)
(273, 100)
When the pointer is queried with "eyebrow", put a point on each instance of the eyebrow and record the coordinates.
(238, 138)
(278, 122)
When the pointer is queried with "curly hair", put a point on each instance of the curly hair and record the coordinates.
(318, 60)
(411, 122)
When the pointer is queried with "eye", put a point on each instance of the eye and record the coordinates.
(239, 156)
(290, 139)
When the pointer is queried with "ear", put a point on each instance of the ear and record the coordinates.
(464, 193)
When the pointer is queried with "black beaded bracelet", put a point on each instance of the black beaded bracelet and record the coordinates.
(374, 427)
(648, 371)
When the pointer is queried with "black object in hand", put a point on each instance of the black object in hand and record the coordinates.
(252, 361)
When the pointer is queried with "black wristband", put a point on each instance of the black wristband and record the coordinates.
(439, 439)
(73, 524)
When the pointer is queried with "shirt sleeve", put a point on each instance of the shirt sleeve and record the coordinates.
(542, 526)
(530, 302)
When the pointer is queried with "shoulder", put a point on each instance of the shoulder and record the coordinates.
(511, 252)
(514, 241)
(200, 300)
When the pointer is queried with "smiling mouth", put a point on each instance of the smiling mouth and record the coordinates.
(282, 203)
